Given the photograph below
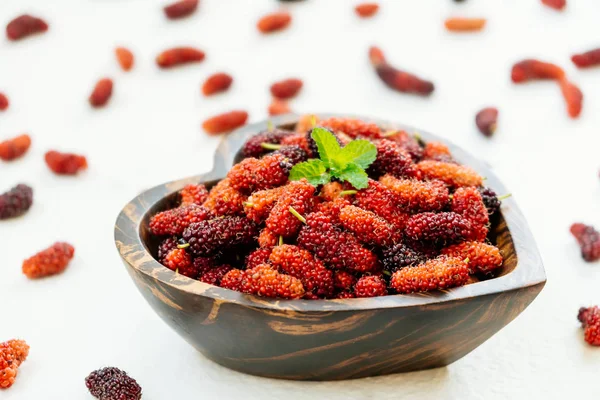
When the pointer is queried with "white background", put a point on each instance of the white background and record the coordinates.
(92, 315)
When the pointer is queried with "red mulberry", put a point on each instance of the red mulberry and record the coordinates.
(193, 194)
(14, 148)
(112, 383)
(259, 204)
(253, 174)
(400, 255)
(180, 261)
(12, 355)
(25, 25)
(343, 280)
(16, 201)
(370, 286)
(331, 190)
(65, 163)
(531, 69)
(223, 199)
(174, 221)
(300, 264)
(418, 196)
(233, 280)
(286, 88)
(440, 228)
(254, 145)
(590, 321)
(451, 174)
(297, 139)
(263, 281)
(215, 275)
(366, 226)
(345, 295)
(267, 238)
(225, 122)
(352, 127)
(481, 257)
(50, 261)
(333, 208)
(216, 83)
(257, 257)
(294, 154)
(383, 202)
(297, 198)
(407, 142)
(589, 241)
(437, 151)
(439, 273)
(393, 159)
(212, 236)
(467, 201)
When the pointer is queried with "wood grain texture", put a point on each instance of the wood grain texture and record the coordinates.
(330, 339)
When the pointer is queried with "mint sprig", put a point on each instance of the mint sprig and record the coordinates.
(346, 163)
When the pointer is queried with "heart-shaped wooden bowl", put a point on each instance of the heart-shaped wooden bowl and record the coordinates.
(330, 339)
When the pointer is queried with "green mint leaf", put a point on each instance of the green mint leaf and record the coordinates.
(359, 152)
(355, 175)
(327, 145)
(314, 171)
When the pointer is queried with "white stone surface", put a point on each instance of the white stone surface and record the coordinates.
(92, 315)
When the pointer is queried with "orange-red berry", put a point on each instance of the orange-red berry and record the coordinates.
(439, 273)
(216, 83)
(480, 257)
(125, 58)
(366, 10)
(225, 122)
(274, 22)
(50, 261)
(11, 149)
(180, 9)
(65, 163)
(101, 93)
(178, 56)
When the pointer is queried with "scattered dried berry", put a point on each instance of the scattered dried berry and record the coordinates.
(178, 56)
(393, 159)
(65, 163)
(397, 79)
(102, 92)
(278, 107)
(111, 383)
(12, 355)
(573, 97)
(400, 255)
(480, 257)
(590, 321)
(3, 102)
(366, 226)
(274, 22)
(440, 273)
(370, 286)
(215, 275)
(181, 9)
(451, 174)
(225, 122)
(418, 196)
(212, 236)
(465, 24)
(297, 199)
(486, 120)
(352, 127)
(25, 25)
(256, 146)
(193, 194)
(589, 241)
(16, 201)
(216, 83)
(366, 10)
(443, 227)
(175, 220)
(530, 69)
(286, 88)
(258, 174)
(467, 201)
(556, 4)
(14, 148)
(125, 58)
(50, 261)
(584, 60)
(223, 199)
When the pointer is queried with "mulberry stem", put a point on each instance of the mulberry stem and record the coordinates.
(183, 245)
(297, 214)
(270, 146)
(270, 125)
(348, 192)
(281, 239)
(504, 197)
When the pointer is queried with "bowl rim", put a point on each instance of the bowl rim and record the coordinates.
(135, 255)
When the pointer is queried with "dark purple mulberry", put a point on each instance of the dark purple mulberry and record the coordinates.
(393, 159)
(490, 199)
(113, 384)
(16, 201)
(295, 154)
(214, 276)
(165, 247)
(253, 146)
(444, 227)
(400, 255)
(213, 236)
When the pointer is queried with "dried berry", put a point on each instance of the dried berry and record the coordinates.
(530, 69)
(223, 199)
(366, 10)
(111, 383)
(444, 227)
(215, 275)
(258, 174)
(11, 149)
(125, 58)
(12, 355)
(400, 255)
(556, 4)
(451, 174)
(397, 79)
(590, 321)
(16, 201)
(278, 107)
(589, 241)
(193, 194)
(583, 60)
(480, 257)
(407, 142)
(216, 83)
(437, 151)
(343, 280)
(370, 286)
(260, 203)
(225, 122)
(274, 22)
(3, 102)
(366, 226)
(65, 163)
(383, 202)
(286, 88)
(257, 257)
(440, 273)
(418, 196)
(25, 25)
(50, 261)
(180, 9)
(178, 56)
(212, 236)
(465, 24)
(257, 145)
(486, 120)
(467, 201)
(102, 92)
(573, 97)
(299, 263)
(176, 220)
(180, 261)
(352, 127)
(295, 201)
(393, 159)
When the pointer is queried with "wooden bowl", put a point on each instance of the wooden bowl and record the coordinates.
(330, 339)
